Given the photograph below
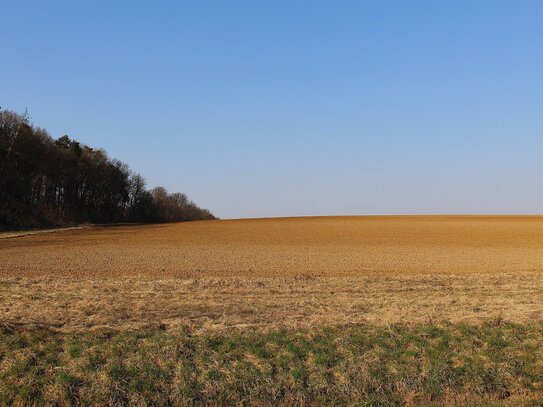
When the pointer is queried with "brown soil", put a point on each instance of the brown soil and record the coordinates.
(265, 272)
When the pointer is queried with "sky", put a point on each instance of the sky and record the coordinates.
(287, 108)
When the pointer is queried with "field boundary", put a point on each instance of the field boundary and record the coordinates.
(22, 233)
(11, 234)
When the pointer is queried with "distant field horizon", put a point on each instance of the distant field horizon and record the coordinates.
(393, 215)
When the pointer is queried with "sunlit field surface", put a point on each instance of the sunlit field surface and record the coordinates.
(295, 272)
(315, 311)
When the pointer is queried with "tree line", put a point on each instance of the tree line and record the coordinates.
(46, 182)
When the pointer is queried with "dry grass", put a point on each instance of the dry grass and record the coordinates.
(211, 304)
(295, 272)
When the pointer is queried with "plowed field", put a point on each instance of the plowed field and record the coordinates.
(268, 272)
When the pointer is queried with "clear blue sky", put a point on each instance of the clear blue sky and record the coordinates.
(294, 108)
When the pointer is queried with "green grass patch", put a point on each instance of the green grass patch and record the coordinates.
(455, 364)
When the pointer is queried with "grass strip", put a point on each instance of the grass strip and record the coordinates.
(456, 364)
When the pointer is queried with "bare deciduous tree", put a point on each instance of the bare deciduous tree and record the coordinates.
(45, 182)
